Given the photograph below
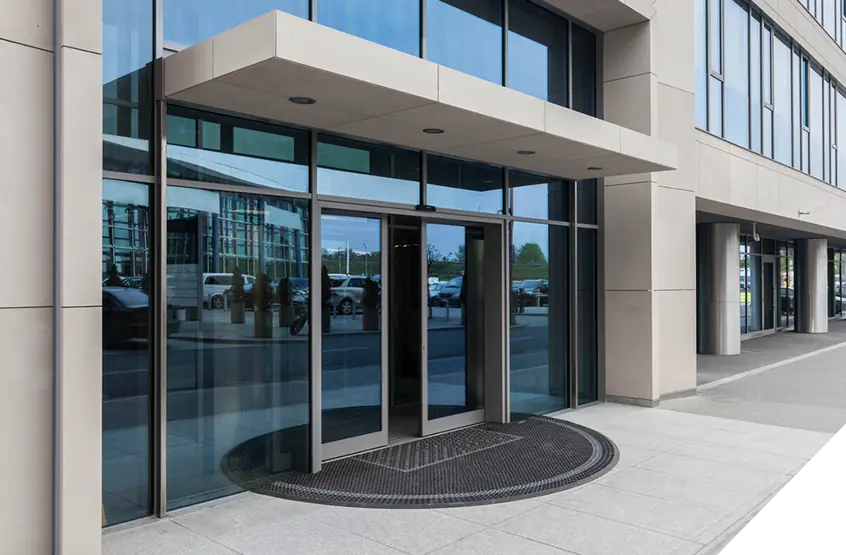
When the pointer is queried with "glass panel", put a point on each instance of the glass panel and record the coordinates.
(127, 85)
(815, 103)
(755, 77)
(754, 300)
(535, 196)
(187, 22)
(737, 72)
(238, 375)
(768, 132)
(588, 295)
(463, 185)
(537, 52)
(715, 106)
(466, 35)
(238, 152)
(783, 151)
(586, 200)
(766, 65)
(790, 297)
(829, 17)
(744, 285)
(126, 351)
(714, 36)
(181, 131)
(796, 124)
(841, 139)
(395, 24)
(584, 71)
(455, 356)
(539, 320)
(701, 63)
(367, 171)
(351, 256)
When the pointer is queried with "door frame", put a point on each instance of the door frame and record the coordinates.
(374, 440)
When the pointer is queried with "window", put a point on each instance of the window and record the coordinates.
(783, 151)
(841, 139)
(538, 197)
(537, 52)
(584, 71)
(767, 88)
(756, 99)
(466, 36)
(187, 22)
(356, 169)
(463, 185)
(737, 73)
(395, 24)
(815, 105)
(797, 110)
(701, 64)
(715, 65)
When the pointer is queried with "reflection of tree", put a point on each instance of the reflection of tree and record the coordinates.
(530, 253)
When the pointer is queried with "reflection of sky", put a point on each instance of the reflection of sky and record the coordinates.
(464, 199)
(462, 41)
(127, 37)
(258, 171)
(338, 232)
(528, 69)
(393, 23)
(369, 187)
(525, 232)
(188, 22)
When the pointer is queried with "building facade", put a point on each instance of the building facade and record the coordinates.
(265, 234)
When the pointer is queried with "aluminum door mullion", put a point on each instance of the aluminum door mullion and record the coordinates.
(424, 333)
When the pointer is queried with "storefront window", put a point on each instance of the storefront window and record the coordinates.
(356, 169)
(126, 351)
(540, 369)
(464, 185)
(237, 393)
(538, 197)
(187, 22)
(217, 149)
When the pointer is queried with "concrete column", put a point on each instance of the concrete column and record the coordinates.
(812, 294)
(722, 333)
(650, 219)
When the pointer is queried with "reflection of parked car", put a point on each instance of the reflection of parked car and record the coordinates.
(534, 291)
(787, 300)
(215, 285)
(347, 293)
(449, 294)
(126, 315)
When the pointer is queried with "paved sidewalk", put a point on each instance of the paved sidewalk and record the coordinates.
(683, 484)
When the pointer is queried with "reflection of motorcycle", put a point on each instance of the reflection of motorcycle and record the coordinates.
(300, 321)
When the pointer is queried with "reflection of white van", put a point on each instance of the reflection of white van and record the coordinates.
(214, 286)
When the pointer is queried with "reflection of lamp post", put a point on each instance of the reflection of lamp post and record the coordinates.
(366, 254)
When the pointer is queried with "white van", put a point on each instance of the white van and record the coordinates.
(215, 285)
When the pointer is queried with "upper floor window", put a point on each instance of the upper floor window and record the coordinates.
(466, 36)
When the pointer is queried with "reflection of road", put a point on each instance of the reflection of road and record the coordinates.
(349, 361)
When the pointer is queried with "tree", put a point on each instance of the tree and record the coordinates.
(530, 253)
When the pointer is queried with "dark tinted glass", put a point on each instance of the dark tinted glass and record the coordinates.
(588, 305)
(539, 303)
(537, 52)
(127, 85)
(237, 152)
(586, 201)
(187, 22)
(464, 185)
(534, 196)
(395, 24)
(466, 35)
(367, 171)
(126, 343)
(584, 71)
(238, 377)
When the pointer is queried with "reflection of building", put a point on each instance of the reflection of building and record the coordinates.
(255, 157)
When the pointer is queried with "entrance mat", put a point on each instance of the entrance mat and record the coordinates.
(490, 463)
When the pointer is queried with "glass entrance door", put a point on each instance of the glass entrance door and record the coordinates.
(353, 340)
(453, 339)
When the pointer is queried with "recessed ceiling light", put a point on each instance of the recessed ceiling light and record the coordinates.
(594, 168)
(525, 152)
(433, 131)
(302, 100)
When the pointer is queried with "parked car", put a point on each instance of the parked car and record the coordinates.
(126, 315)
(449, 294)
(215, 285)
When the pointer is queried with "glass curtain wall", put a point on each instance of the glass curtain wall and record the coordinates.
(544, 48)
(758, 89)
(836, 283)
